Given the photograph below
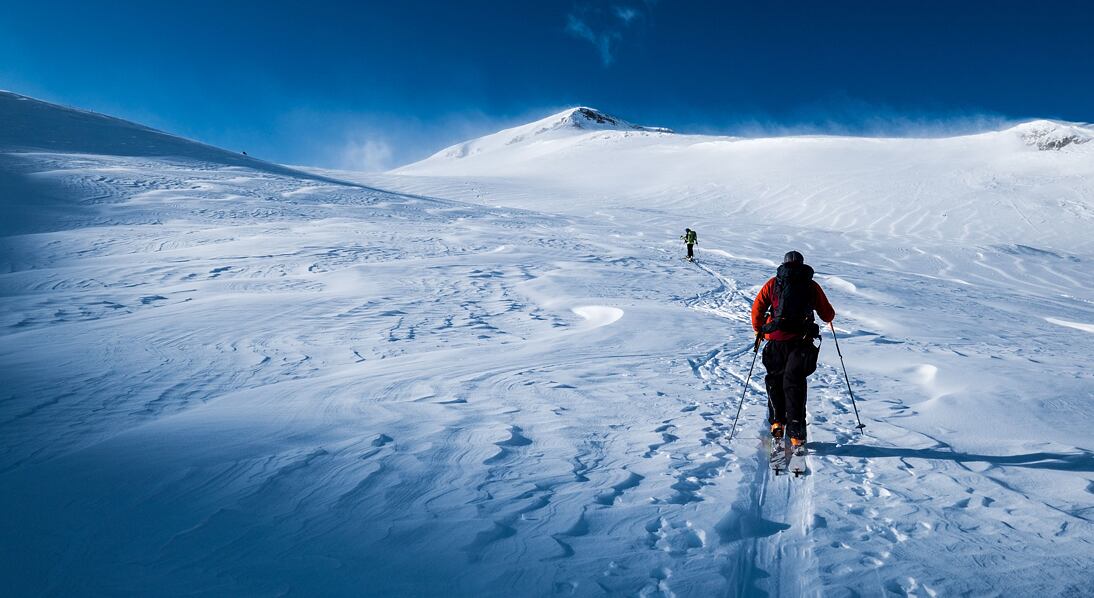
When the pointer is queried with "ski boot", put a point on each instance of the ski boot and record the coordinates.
(777, 449)
(796, 431)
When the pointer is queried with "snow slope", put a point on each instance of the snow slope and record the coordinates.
(989, 188)
(225, 377)
(32, 130)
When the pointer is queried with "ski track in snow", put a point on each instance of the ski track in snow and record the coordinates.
(220, 379)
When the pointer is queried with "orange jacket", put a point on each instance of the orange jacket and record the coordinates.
(763, 302)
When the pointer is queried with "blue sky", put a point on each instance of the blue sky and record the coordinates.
(374, 84)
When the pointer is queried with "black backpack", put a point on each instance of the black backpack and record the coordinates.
(792, 301)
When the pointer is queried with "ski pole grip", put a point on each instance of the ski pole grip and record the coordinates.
(835, 339)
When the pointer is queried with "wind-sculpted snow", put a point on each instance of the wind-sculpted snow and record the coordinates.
(227, 380)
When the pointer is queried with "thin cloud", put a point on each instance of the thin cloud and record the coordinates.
(604, 28)
(603, 41)
(626, 14)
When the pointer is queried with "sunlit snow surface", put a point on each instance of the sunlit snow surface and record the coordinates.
(223, 377)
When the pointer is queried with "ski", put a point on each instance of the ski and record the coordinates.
(797, 465)
(776, 454)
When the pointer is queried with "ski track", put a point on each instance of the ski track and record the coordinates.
(225, 380)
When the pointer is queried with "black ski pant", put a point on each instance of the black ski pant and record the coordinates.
(690, 251)
(787, 364)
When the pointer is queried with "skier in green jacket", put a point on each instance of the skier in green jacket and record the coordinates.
(690, 239)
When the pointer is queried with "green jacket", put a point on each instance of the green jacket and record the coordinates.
(690, 237)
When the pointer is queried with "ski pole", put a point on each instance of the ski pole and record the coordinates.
(755, 354)
(860, 425)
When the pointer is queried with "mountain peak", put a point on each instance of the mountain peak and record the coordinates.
(583, 117)
(569, 123)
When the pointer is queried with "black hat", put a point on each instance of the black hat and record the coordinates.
(793, 257)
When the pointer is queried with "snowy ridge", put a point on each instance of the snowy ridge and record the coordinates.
(32, 125)
(225, 379)
(39, 141)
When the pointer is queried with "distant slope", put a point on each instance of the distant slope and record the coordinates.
(1033, 183)
(35, 134)
(30, 125)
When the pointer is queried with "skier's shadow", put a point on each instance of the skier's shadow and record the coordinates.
(1080, 461)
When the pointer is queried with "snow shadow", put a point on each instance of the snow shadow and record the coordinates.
(1081, 461)
(743, 525)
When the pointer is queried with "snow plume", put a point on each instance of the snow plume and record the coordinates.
(849, 116)
(369, 155)
(370, 141)
(604, 27)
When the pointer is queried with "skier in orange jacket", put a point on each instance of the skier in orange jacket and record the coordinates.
(783, 311)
